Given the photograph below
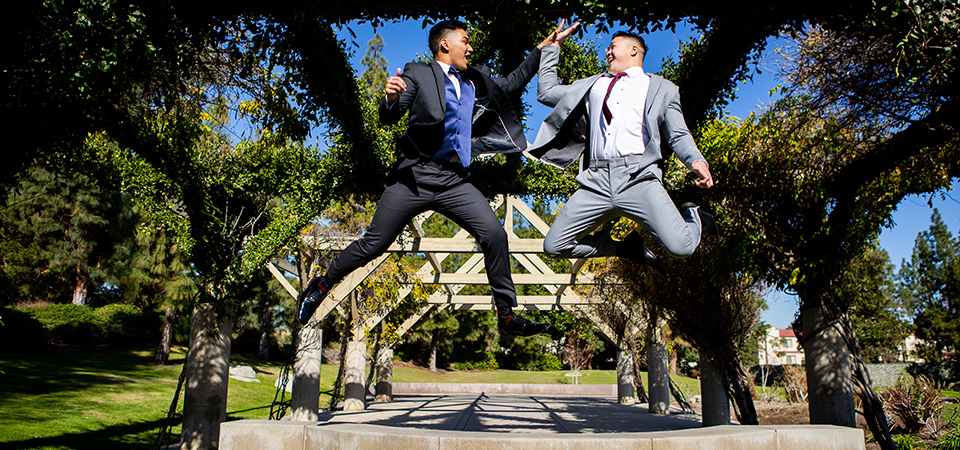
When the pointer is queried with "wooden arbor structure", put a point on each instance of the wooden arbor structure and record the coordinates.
(525, 251)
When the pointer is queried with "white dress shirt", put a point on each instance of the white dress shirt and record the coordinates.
(452, 77)
(626, 134)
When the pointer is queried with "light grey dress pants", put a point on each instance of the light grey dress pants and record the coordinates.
(608, 191)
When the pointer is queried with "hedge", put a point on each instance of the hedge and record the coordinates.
(76, 325)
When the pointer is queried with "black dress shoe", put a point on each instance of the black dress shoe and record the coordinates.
(514, 325)
(633, 248)
(309, 300)
(708, 226)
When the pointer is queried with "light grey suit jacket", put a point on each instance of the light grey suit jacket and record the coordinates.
(565, 133)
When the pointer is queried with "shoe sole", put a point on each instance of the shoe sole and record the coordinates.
(505, 332)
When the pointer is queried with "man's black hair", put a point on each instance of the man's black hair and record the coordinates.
(440, 30)
(632, 35)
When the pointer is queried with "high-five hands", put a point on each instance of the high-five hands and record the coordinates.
(395, 87)
(559, 34)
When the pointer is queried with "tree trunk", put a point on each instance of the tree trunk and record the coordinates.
(384, 389)
(305, 395)
(80, 291)
(266, 321)
(713, 391)
(739, 385)
(208, 371)
(434, 341)
(658, 377)
(828, 370)
(166, 337)
(354, 386)
(263, 351)
(625, 376)
(673, 363)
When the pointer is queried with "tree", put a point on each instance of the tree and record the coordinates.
(930, 286)
(374, 77)
(867, 285)
(62, 232)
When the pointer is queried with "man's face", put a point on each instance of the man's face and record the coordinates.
(620, 54)
(457, 45)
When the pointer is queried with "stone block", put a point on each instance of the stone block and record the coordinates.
(374, 437)
(817, 437)
(508, 441)
(724, 437)
(262, 435)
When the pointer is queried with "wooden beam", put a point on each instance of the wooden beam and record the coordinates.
(518, 278)
(438, 245)
(521, 299)
(283, 280)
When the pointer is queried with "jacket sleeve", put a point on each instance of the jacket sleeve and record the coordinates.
(518, 79)
(391, 113)
(677, 134)
(549, 89)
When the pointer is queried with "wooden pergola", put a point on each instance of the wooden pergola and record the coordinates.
(435, 251)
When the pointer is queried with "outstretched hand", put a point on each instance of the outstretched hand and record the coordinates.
(703, 171)
(395, 86)
(558, 35)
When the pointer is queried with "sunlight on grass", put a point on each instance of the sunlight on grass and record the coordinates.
(119, 399)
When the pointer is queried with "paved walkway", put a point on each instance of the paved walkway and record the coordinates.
(513, 414)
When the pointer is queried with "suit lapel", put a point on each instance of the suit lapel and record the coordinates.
(655, 83)
(439, 77)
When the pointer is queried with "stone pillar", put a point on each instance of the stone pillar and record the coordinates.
(384, 390)
(658, 375)
(625, 378)
(713, 393)
(829, 380)
(208, 373)
(353, 382)
(305, 400)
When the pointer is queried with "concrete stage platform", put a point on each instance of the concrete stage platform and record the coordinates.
(518, 422)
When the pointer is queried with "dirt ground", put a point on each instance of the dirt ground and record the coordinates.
(783, 413)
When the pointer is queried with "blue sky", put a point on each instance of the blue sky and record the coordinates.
(405, 40)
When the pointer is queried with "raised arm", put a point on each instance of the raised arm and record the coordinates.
(549, 89)
(399, 93)
(519, 78)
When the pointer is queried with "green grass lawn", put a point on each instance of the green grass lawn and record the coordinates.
(119, 399)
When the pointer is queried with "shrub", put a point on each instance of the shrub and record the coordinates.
(477, 361)
(915, 405)
(489, 364)
(908, 442)
(951, 441)
(69, 323)
(82, 325)
(547, 361)
(20, 331)
(123, 323)
(795, 383)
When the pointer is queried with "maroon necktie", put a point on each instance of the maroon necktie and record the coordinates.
(605, 110)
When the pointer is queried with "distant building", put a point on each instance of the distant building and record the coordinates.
(908, 350)
(779, 347)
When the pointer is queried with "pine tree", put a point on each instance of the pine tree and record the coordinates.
(61, 233)
(930, 287)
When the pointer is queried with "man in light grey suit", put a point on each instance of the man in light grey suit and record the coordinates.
(614, 122)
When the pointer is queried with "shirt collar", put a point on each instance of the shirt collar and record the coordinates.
(632, 72)
(444, 67)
